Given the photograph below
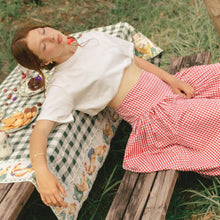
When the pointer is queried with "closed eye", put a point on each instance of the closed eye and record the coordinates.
(44, 44)
(44, 47)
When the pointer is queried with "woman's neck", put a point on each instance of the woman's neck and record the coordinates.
(71, 49)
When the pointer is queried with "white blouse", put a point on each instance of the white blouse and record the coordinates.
(89, 79)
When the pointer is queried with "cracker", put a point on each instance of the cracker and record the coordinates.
(18, 123)
(29, 115)
(26, 122)
(18, 115)
(8, 121)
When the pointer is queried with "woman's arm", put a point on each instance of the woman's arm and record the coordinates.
(48, 185)
(179, 87)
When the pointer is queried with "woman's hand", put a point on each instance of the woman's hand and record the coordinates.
(50, 189)
(181, 88)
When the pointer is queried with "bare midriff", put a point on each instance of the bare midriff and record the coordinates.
(130, 77)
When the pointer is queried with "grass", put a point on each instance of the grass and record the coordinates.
(195, 198)
(207, 200)
(180, 28)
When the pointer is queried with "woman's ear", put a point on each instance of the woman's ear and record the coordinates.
(47, 62)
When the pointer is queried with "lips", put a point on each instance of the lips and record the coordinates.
(59, 38)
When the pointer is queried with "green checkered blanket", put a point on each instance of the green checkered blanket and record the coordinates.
(77, 150)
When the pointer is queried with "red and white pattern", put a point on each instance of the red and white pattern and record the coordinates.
(172, 132)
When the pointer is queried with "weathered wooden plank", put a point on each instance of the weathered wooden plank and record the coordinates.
(4, 188)
(140, 196)
(150, 206)
(15, 199)
(213, 7)
(160, 196)
(166, 190)
(185, 62)
(203, 58)
(122, 197)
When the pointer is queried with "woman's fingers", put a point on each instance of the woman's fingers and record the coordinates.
(44, 200)
(57, 195)
(189, 91)
(59, 201)
(61, 189)
(182, 88)
(47, 201)
(184, 93)
(55, 198)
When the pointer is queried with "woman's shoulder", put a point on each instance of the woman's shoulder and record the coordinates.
(90, 34)
(95, 34)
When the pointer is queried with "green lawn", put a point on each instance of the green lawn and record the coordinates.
(179, 27)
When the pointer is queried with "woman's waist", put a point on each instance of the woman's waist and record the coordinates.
(130, 77)
(148, 93)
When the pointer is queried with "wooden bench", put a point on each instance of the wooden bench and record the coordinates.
(13, 197)
(140, 196)
(147, 196)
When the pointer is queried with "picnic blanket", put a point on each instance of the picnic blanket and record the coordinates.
(76, 150)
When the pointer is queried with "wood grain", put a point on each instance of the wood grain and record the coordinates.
(123, 195)
(15, 197)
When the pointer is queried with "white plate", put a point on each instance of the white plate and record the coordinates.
(25, 91)
(19, 128)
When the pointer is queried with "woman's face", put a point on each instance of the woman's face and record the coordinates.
(47, 43)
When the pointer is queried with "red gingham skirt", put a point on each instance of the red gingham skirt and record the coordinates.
(172, 132)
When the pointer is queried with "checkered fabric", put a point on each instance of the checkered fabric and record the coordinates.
(76, 150)
(172, 132)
